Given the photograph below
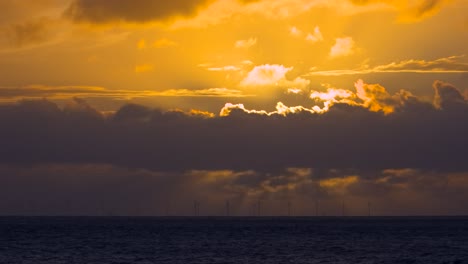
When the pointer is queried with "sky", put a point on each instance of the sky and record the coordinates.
(141, 107)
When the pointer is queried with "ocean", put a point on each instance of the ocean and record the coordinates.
(138, 240)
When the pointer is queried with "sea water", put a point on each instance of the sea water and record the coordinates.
(100, 240)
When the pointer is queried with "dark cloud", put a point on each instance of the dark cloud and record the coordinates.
(27, 33)
(102, 189)
(135, 11)
(428, 6)
(415, 8)
(415, 135)
(14, 11)
(28, 22)
(448, 97)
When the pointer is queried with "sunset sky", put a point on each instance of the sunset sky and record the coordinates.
(141, 107)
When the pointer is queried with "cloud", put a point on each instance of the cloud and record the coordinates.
(29, 24)
(316, 36)
(279, 9)
(68, 92)
(210, 92)
(447, 96)
(313, 37)
(443, 65)
(343, 47)
(245, 43)
(239, 67)
(104, 189)
(28, 33)
(416, 134)
(272, 75)
(281, 109)
(219, 11)
(410, 10)
(333, 96)
(224, 68)
(295, 31)
(448, 64)
(372, 97)
(103, 11)
(339, 184)
(159, 162)
(14, 11)
(266, 75)
(294, 91)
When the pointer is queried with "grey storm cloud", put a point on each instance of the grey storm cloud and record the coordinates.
(416, 135)
(101, 11)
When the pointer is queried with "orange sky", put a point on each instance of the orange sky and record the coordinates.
(203, 54)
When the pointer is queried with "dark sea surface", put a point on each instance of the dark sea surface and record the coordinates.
(101, 240)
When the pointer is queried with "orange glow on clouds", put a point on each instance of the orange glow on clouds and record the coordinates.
(338, 183)
(370, 96)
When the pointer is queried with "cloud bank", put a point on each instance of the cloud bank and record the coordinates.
(102, 11)
(414, 134)
(405, 155)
